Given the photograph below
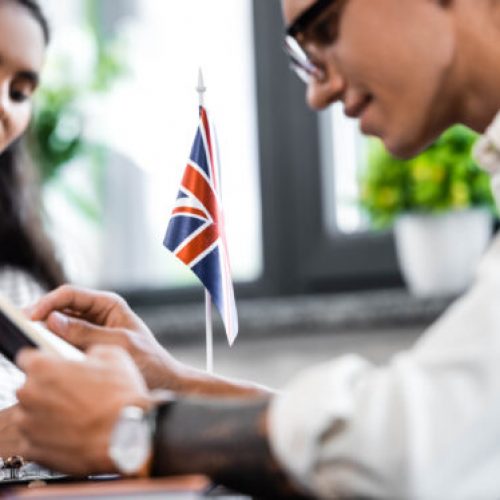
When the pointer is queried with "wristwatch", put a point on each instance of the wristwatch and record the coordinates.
(130, 446)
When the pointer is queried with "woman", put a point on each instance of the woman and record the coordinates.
(27, 263)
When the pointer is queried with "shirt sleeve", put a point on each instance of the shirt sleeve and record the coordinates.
(426, 425)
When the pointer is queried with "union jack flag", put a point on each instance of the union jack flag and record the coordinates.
(196, 234)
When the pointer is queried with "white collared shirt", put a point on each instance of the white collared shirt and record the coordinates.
(424, 426)
(23, 291)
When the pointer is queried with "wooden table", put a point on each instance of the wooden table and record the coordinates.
(186, 487)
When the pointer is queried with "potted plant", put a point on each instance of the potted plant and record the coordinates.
(441, 206)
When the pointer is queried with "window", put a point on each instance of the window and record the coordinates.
(302, 195)
(288, 173)
(342, 159)
(148, 121)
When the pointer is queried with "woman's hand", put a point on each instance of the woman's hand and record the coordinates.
(86, 318)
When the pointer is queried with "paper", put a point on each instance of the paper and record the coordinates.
(17, 332)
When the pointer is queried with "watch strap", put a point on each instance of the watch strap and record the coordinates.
(160, 416)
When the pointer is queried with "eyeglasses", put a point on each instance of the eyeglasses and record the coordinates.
(308, 17)
(300, 61)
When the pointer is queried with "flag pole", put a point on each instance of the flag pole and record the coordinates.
(201, 89)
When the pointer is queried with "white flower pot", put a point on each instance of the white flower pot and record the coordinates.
(438, 254)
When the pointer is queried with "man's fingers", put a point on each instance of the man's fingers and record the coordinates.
(87, 303)
(58, 322)
(33, 360)
(34, 397)
(66, 296)
(24, 358)
(48, 429)
(107, 352)
(111, 354)
(75, 331)
(59, 460)
(81, 333)
(42, 371)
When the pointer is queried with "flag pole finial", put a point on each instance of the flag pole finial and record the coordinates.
(201, 89)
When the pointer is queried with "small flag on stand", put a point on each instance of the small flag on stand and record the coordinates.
(196, 234)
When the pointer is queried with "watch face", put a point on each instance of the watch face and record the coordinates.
(130, 441)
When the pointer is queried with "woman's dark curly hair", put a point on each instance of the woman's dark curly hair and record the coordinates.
(23, 242)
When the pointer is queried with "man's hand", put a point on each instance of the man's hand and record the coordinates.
(86, 318)
(9, 436)
(67, 409)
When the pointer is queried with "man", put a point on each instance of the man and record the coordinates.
(427, 425)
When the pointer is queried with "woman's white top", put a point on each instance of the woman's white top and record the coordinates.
(23, 291)
(426, 425)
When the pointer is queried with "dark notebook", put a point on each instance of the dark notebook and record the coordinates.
(17, 332)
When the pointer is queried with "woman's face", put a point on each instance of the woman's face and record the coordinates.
(22, 49)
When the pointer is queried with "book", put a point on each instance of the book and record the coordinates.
(18, 332)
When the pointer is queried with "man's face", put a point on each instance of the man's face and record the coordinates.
(389, 61)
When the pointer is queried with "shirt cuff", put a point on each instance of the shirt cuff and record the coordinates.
(319, 400)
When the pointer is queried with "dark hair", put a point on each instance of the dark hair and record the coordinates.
(35, 10)
(24, 243)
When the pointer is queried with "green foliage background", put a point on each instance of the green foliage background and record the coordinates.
(56, 131)
(442, 178)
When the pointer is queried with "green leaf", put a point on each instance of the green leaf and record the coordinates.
(444, 177)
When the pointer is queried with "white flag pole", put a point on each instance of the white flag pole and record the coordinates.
(201, 89)
(209, 333)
